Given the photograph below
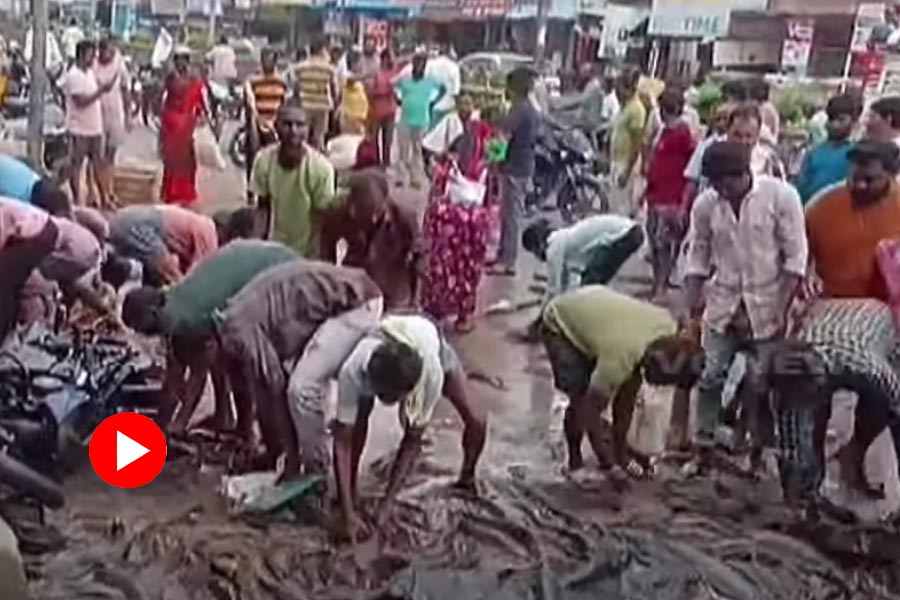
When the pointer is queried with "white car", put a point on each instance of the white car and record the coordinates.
(505, 62)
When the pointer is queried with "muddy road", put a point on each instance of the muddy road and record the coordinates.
(532, 532)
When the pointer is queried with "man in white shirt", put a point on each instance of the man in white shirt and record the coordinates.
(406, 363)
(71, 37)
(223, 61)
(84, 120)
(53, 59)
(589, 252)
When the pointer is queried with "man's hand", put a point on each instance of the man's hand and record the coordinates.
(622, 181)
(109, 85)
(356, 528)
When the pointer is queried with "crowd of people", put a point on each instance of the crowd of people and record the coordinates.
(798, 277)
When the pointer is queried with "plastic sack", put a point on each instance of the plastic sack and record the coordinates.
(651, 419)
(342, 151)
(438, 140)
(464, 191)
(206, 148)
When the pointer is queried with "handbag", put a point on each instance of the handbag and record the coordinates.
(464, 191)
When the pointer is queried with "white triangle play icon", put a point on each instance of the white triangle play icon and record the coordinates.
(127, 450)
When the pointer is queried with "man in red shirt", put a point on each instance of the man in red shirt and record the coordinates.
(666, 217)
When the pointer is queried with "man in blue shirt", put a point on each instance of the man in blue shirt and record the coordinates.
(827, 163)
(520, 129)
(20, 182)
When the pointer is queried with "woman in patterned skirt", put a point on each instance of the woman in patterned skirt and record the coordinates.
(456, 233)
(848, 344)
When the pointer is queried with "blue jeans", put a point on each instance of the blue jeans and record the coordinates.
(720, 350)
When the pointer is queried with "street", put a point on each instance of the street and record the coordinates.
(533, 531)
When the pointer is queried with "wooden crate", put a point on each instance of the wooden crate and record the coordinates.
(136, 185)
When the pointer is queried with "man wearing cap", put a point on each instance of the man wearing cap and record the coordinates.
(406, 363)
(751, 229)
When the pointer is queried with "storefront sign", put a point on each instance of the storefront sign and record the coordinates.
(689, 18)
(869, 16)
(595, 8)
(465, 9)
(377, 29)
(797, 45)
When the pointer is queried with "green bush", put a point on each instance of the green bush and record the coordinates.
(709, 97)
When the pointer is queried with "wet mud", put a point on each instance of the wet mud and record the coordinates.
(532, 532)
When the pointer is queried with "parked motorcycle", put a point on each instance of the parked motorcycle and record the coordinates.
(564, 158)
(54, 390)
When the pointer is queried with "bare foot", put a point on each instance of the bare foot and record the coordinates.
(464, 325)
(290, 472)
(576, 462)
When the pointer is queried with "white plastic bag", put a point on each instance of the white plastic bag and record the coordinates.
(651, 420)
(207, 150)
(342, 151)
(462, 190)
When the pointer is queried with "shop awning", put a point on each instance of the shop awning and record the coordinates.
(447, 10)
(291, 3)
(406, 7)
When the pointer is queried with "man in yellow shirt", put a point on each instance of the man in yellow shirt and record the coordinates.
(317, 89)
(293, 183)
(603, 346)
(626, 143)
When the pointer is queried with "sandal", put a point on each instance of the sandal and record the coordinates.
(636, 471)
(500, 271)
(464, 326)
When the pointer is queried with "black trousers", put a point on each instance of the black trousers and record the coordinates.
(17, 261)
(607, 260)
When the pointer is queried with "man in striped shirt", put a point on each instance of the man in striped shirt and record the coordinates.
(265, 94)
(317, 89)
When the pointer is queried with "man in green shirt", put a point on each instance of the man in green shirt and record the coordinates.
(603, 346)
(184, 314)
(293, 183)
(626, 142)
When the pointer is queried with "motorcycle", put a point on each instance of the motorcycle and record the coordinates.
(564, 158)
(227, 101)
(56, 148)
(54, 390)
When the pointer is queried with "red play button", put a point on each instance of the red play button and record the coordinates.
(128, 450)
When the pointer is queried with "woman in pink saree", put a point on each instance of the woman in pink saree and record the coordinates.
(456, 233)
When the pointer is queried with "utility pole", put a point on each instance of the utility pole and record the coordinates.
(540, 45)
(38, 83)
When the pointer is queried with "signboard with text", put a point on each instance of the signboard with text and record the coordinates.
(869, 16)
(690, 18)
(797, 45)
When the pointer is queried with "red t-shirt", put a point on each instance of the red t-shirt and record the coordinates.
(665, 177)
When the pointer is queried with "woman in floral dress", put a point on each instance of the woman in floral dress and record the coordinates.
(456, 234)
